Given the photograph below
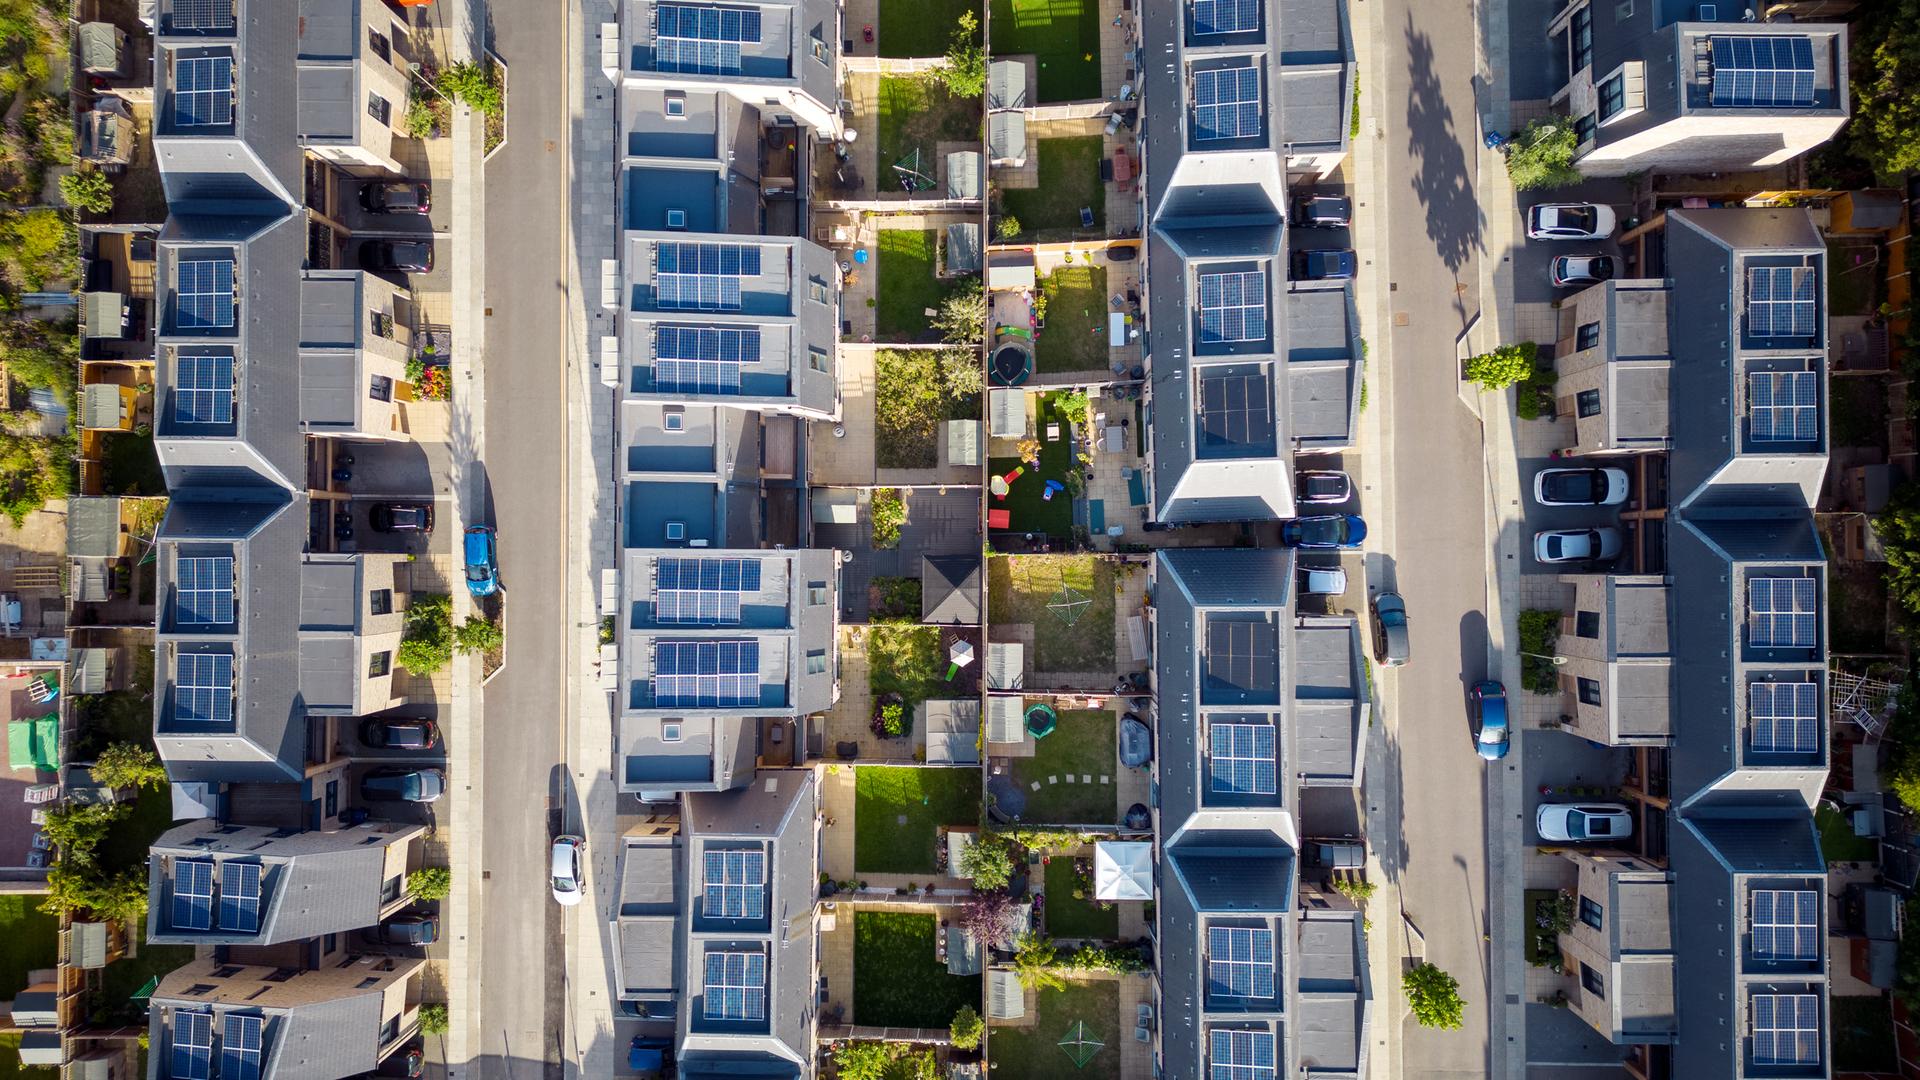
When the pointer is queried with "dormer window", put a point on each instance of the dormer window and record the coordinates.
(676, 218)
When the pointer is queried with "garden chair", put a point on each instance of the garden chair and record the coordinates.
(1086, 217)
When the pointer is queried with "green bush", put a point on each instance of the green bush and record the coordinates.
(33, 470)
(1539, 633)
(1885, 67)
(1121, 959)
(127, 765)
(480, 635)
(986, 862)
(962, 320)
(474, 85)
(433, 1019)
(87, 190)
(965, 72)
(431, 883)
(426, 643)
(966, 1029)
(1504, 366)
(1006, 227)
(1542, 156)
(888, 512)
(1434, 997)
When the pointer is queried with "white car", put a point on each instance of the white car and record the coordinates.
(1577, 823)
(1322, 581)
(1580, 487)
(1572, 270)
(1575, 545)
(1569, 221)
(568, 870)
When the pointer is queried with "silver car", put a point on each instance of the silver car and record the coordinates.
(1582, 823)
(1390, 629)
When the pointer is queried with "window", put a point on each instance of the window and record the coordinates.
(329, 944)
(816, 661)
(368, 983)
(1240, 962)
(203, 591)
(1233, 306)
(670, 732)
(676, 104)
(1590, 912)
(1785, 923)
(1786, 1029)
(706, 674)
(1583, 129)
(673, 418)
(1623, 11)
(1780, 612)
(816, 593)
(1580, 35)
(817, 358)
(380, 388)
(1587, 337)
(332, 803)
(380, 602)
(381, 664)
(377, 43)
(702, 591)
(734, 884)
(1589, 691)
(1590, 979)
(1613, 97)
(816, 290)
(735, 986)
(380, 324)
(1587, 403)
(379, 109)
(1783, 406)
(389, 1029)
(702, 39)
(821, 53)
(1586, 624)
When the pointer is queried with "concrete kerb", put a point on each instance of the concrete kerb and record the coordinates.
(505, 103)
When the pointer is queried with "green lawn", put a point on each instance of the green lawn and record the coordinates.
(918, 115)
(898, 980)
(1853, 276)
(29, 938)
(1035, 1050)
(125, 976)
(1031, 510)
(1070, 918)
(898, 811)
(1083, 745)
(129, 465)
(1863, 1035)
(1069, 179)
(1837, 841)
(1020, 588)
(1075, 338)
(906, 660)
(918, 28)
(906, 287)
(1064, 35)
(10, 1058)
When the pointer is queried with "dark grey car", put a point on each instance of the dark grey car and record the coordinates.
(1390, 629)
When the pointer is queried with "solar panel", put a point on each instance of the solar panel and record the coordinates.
(1225, 16)
(203, 389)
(1240, 1055)
(203, 91)
(705, 591)
(1243, 759)
(734, 884)
(201, 15)
(736, 986)
(1242, 659)
(240, 1047)
(1780, 612)
(1786, 1029)
(706, 674)
(1783, 406)
(203, 687)
(1235, 410)
(1233, 306)
(1226, 103)
(1781, 301)
(240, 897)
(702, 277)
(702, 40)
(1763, 72)
(192, 894)
(1785, 924)
(192, 1045)
(203, 294)
(1784, 717)
(702, 359)
(204, 587)
(1239, 962)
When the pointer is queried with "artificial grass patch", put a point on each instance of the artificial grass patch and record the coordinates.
(1062, 35)
(919, 28)
(907, 288)
(29, 939)
(916, 116)
(1034, 1050)
(1069, 179)
(1082, 745)
(1020, 588)
(1070, 918)
(1837, 841)
(898, 979)
(912, 398)
(898, 811)
(130, 466)
(1075, 337)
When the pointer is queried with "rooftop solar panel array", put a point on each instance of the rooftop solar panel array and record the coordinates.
(703, 40)
(1784, 406)
(192, 1045)
(1240, 962)
(240, 1047)
(203, 91)
(240, 897)
(736, 986)
(192, 894)
(1225, 16)
(200, 15)
(702, 277)
(1243, 759)
(1781, 301)
(1242, 657)
(1233, 306)
(735, 885)
(1240, 1055)
(203, 389)
(1780, 612)
(203, 296)
(203, 687)
(1786, 1029)
(1235, 410)
(702, 359)
(1784, 717)
(1772, 71)
(1226, 103)
(706, 674)
(204, 590)
(705, 591)
(1785, 924)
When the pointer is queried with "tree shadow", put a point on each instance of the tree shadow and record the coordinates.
(1444, 181)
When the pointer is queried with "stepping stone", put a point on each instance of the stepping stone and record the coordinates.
(1053, 779)
(1069, 778)
(1036, 785)
(900, 819)
(1105, 779)
(1086, 778)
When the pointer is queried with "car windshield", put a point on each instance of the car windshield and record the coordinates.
(477, 571)
(1576, 218)
(561, 884)
(1576, 825)
(1326, 530)
(1556, 547)
(1599, 269)
(1325, 486)
(400, 196)
(1393, 618)
(1581, 485)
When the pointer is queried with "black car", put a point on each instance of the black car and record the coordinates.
(1322, 212)
(401, 517)
(1324, 265)
(400, 734)
(414, 255)
(1122, 253)
(396, 197)
(403, 785)
(410, 930)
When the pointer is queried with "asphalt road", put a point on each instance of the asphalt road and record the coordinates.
(521, 952)
(1438, 501)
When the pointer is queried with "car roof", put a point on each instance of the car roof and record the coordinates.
(476, 543)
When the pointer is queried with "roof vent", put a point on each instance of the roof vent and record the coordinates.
(773, 785)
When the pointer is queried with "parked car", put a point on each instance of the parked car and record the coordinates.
(410, 930)
(1575, 545)
(647, 1055)
(396, 197)
(1580, 487)
(1578, 823)
(1570, 270)
(1390, 629)
(567, 870)
(1122, 253)
(1569, 221)
(1324, 531)
(1322, 212)
(399, 733)
(409, 1062)
(1322, 581)
(403, 785)
(416, 255)
(1324, 265)
(483, 564)
(1487, 707)
(1322, 486)
(401, 517)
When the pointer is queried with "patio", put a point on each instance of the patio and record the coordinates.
(937, 524)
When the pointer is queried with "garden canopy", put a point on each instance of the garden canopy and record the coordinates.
(1123, 870)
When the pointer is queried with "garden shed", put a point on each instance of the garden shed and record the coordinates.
(963, 174)
(1007, 84)
(1006, 719)
(1006, 998)
(953, 732)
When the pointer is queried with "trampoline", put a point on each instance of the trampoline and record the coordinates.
(1012, 363)
(1041, 720)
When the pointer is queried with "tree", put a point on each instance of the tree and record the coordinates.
(987, 863)
(1898, 527)
(1434, 997)
(87, 190)
(76, 830)
(433, 1019)
(426, 643)
(993, 918)
(1502, 367)
(965, 72)
(1884, 70)
(1006, 227)
(127, 765)
(863, 1060)
(962, 372)
(1036, 963)
(966, 1029)
(1542, 155)
(962, 318)
(430, 883)
(479, 635)
(118, 897)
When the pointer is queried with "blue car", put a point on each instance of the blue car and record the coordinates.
(483, 567)
(1491, 732)
(1324, 531)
